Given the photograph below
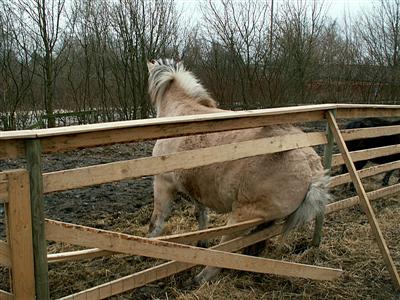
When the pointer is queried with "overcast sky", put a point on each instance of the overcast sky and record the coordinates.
(336, 8)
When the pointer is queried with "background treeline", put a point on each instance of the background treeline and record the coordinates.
(84, 61)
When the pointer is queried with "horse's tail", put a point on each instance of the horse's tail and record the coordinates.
(314, 203)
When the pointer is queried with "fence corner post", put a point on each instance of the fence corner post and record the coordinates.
(328, 150)
(34, 163)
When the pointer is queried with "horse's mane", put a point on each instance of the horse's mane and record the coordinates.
(164, 71)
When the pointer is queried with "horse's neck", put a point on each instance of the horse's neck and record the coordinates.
(176, 103)
(182, 108)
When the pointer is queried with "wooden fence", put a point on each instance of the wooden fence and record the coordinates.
(21, 191)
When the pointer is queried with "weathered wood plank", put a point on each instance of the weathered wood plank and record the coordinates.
(364, 111)
(10, 149)
(5, 254)
(94, 139)
(365, 154)
(370, 171)
(85, 136)
(87, 176)
(141, 278)
(20, 235)
(34, 163)
(293, 111)
(187, 237)
(112, 241)
(352, 201)
(365, 204)
(370, 132)
(6, 295)
(77, 255)
(3, 191)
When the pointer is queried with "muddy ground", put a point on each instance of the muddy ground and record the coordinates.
(126, 207)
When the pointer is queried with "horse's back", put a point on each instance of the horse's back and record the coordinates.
(261, 182)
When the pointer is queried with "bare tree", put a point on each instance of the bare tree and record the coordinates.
(42, 20)
(379, 32)
(16, 70)
(143, 30)
(300, 26)
(241, 28)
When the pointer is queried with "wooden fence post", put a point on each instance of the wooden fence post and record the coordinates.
(18, 210)
(33, 157)
(328, 150)
(364, 202)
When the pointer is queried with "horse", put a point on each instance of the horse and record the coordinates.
(290, 187)
(368, 143)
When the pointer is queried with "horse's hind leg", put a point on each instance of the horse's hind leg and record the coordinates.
(208, 273)
(202, 220)
(164, 193)
(257, 248)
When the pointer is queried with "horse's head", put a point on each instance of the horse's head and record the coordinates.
(162, 72)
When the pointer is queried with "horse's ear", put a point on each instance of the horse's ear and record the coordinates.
(208, 102)
(151, 64)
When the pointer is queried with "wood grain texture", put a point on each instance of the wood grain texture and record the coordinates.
(363, 173)
(3, 191)
(123, 243)
(364, 201)
(365, 154)
(34, 164)
(5, 259)
(20, 235)
(184, 238)
(6, 295)
(370, 132)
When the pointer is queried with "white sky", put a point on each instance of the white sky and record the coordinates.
(336, 8)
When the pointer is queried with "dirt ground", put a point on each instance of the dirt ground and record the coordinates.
(126, 207)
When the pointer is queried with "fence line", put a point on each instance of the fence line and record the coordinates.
(17, 144)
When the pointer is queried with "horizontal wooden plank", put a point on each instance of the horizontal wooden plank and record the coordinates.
(164, 270)
(6, 295)
(62, 143)
(77, 255)
(365, 111)
(352, 201)
(93, 175)
(3, 191)
(294, 110)
(374, 170)
(224, 115)
(365, 154)
(112, 241)
(5, 259)
(93, 135)
(370, 132)
(67, 142)
(184, 238)
(10, 149)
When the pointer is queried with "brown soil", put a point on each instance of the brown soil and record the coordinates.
(126, 207)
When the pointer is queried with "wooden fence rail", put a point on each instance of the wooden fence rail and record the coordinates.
(24, 143)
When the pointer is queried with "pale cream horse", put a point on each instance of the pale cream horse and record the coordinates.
(289, 185)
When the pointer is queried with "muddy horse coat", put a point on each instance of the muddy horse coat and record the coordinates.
(288, 186)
